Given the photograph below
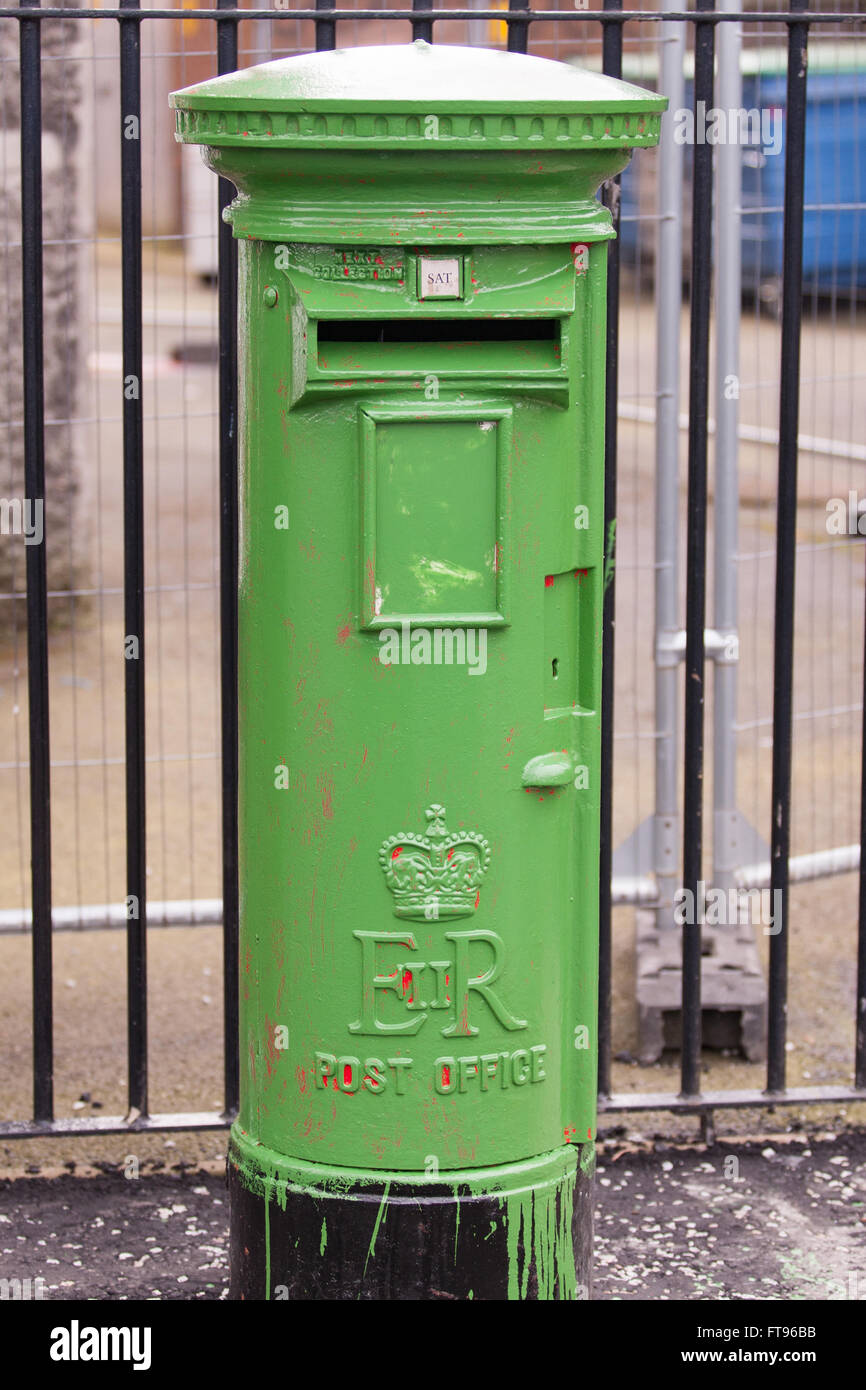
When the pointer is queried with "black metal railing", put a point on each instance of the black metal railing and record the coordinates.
(423, 17)
(37, 587)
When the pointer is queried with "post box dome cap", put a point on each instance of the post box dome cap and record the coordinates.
(402, 94)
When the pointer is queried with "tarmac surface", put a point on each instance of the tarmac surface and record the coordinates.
(781, 1220)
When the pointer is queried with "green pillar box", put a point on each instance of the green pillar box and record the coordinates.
(422, 330)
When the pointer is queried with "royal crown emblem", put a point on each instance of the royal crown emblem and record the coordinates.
(435, 875)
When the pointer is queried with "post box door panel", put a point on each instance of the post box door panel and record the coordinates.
(434, 513)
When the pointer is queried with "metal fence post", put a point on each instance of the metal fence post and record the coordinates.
(725, 576)
(669, 262)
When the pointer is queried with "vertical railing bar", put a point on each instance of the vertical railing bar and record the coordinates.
(726, 579)
(326, 29)
(518, 33)
(860, 1007)
(227, 61)
(612, 66)
(133, 554)
(668, 619)
(30, 48)
(786, 520)
(696, 555)
(422, 28)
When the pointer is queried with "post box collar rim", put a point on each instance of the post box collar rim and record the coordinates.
(261, 1167)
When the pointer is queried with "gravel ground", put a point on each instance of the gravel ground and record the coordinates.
(778, 1220)
(163, 1236)
(782, 1220)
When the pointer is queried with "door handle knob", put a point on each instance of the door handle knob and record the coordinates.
(549, 770)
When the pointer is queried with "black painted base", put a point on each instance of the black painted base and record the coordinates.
(362, 1236)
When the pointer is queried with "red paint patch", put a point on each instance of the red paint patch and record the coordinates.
(548, 581)
(446, 1076)
(395, 853)
(272, 1052)
(343, 634)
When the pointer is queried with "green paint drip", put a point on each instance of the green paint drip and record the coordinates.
(540, 1239)
(381, 1215)
(324, 1240)
(515, 1211)
(267, 1247)
(456, 1227)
